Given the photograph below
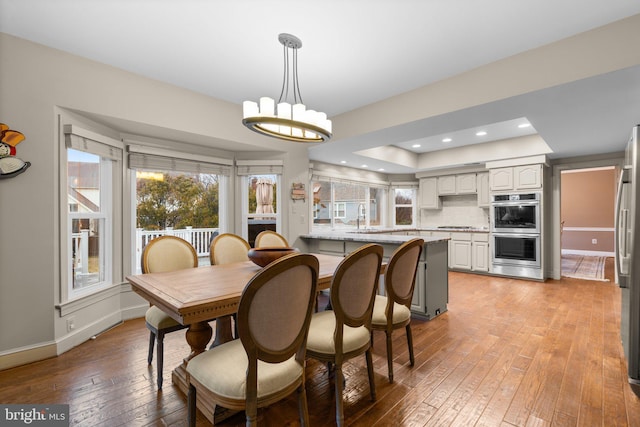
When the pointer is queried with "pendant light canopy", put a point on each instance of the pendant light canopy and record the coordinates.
(291, 122)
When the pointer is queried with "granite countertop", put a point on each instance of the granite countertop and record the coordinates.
(370, 237)
(453, 228)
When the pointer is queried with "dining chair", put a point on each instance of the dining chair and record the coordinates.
(393, 311)
(344, 331)
(268, 238)
(227, 248)
(165, 253)
(267, 362)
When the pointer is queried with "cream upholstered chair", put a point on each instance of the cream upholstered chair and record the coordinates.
(272, 239)
(393, 311)
(267, 363)
(345, 331)
(165, 253)
(227, 248)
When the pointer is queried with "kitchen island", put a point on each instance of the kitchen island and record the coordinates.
(431, 293)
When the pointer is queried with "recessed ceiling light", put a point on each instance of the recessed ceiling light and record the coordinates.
(447, 140)
(481, 133)
(364, 166)
(381, 169)
(343, 161)
(524, 125)
(415, 146)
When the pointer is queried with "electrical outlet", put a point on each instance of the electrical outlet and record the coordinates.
(594, 241)
(71, 324)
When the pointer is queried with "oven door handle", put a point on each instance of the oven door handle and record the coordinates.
(517, 203)
(517, 235)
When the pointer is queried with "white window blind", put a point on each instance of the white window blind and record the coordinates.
(259, 167)
(155, 159)
(83, 140)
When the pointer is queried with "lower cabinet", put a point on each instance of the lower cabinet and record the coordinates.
(460, 251)
(469, 251)
(480, 255)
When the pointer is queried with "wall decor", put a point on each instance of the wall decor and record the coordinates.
(298, 192)
(10, 165)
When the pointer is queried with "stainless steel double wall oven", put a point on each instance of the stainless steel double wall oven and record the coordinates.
(515, 230)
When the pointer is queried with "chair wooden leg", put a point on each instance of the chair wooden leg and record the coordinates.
(339, 388)
(303, 409)
(152, 342)
(410, 344)
(389, 356)
(372, 383)
(160, 358)
(191, 406)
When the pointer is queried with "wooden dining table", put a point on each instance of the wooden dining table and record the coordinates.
(196, 296)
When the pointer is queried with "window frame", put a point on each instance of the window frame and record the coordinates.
(111, 153)
(414, 202)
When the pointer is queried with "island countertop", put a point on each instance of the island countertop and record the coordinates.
(370, 237)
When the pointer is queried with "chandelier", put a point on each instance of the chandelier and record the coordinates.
(284, 120)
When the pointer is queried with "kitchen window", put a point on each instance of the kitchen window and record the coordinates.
(404, 206)
(340, 204)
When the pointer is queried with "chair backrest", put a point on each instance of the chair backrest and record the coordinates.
(168, 253)
(400, 276)
(354, 286)
(227, 248)
(271, 239)
(275, 310)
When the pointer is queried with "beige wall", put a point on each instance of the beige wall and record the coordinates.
(587, 209)
(36, 83)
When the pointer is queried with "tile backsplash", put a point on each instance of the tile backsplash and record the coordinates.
(456, 211)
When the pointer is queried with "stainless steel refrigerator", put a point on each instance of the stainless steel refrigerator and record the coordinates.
(628, 254)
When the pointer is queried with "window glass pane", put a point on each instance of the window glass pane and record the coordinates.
(404, 201)
(377, 205)
(177, 203)
(350, 199)
(262, 205)
(87, 252)
(83, 178)
(321, 204)
(88, 200)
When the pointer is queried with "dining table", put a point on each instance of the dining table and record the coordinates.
(197, 296)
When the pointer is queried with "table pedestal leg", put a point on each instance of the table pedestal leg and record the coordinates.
(198, 336)
(223, 331)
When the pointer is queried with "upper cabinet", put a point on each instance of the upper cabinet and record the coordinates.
(457, 184)
(466, 183)
(484, 199)
(429, 198)
(516, 178)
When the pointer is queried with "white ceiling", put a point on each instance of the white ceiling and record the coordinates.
(354, 53)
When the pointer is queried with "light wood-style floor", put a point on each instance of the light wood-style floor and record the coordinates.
(507, 353)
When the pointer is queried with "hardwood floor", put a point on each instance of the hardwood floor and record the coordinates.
(507, 353)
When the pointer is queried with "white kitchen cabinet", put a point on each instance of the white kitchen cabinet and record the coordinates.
(466, 183)
(446, 185)
(460, 251)
(484, 199)
(480, 252)
(501, 179)
(429, 198)
(457, 184)
(516, 178)
(525, 177)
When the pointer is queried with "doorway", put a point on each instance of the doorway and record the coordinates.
(584, 218)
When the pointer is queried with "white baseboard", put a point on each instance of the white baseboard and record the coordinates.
(35, 353)
(587, 253)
